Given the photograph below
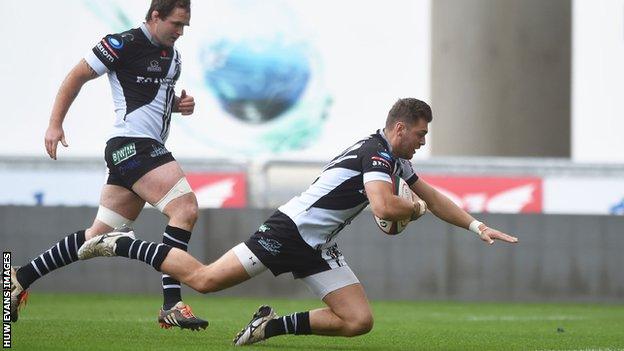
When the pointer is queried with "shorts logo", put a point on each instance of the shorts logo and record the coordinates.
(115, 43)
(271, 245)
(128, 166)
(123, 153)
(158, 151)
(263, 228)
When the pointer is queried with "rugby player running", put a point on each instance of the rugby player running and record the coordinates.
(143, 66)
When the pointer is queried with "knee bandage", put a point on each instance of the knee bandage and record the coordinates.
(180, 188)
(112, 218)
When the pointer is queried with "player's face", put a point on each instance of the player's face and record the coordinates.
(411, 138)
(168, 30)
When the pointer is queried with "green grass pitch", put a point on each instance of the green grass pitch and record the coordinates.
(128, 322)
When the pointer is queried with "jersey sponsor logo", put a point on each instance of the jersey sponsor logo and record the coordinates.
(109, 48)
(271, 245)
(385, 155)
(104, 52)
(150, 80)
(380, 162)
(263, 228)
(115, 43)
(124, 153)
(154, 66)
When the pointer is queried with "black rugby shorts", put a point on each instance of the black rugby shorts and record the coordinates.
(128, 159)
(280, 247)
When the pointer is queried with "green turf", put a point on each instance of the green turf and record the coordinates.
(127, 322)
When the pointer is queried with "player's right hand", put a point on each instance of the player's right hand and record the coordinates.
(420, 207)
(53, 135)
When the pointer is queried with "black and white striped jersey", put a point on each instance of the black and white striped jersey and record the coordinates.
(338, 195)
(142, 76)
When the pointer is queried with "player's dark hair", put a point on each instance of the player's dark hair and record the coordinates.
(165, 7)
(408, 110)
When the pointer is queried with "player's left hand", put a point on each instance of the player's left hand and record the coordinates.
(490, 234)
(186, 104)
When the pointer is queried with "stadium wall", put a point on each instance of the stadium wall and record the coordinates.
(501, 78)
(559, 257)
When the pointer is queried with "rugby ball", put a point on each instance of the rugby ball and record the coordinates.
(401, 189)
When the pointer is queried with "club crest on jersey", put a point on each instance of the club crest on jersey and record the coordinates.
(123, 153)
(115, 43)
(127, 36)
(154, 66)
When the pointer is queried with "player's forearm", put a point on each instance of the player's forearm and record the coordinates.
(445, 209)
(393, 208)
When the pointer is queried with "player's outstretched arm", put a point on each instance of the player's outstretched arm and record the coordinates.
(445, 209)
(77, 77)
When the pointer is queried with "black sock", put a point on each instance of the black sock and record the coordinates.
(296, 323)
(179, 238)
(59, 255)
(151, 253)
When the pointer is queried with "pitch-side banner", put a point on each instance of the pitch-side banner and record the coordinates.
(82, 188)
(271, 78)
(491, 194)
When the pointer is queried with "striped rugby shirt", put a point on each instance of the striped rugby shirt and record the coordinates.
(142, 77)
(337, 195)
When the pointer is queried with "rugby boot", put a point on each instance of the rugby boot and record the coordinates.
(181, 316)
(254, 331)
(104, 245)
(19, 296)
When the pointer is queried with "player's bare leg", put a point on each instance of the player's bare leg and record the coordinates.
(166, 188)
(225, 272)
(118, 206)
(121, 202)
(348, 314)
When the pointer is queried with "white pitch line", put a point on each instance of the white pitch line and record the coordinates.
(522, 318)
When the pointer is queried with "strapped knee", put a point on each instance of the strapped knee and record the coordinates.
(112, 218)
(180, 188)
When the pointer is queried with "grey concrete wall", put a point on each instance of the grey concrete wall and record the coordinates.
(501, 77)
(575, 258)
